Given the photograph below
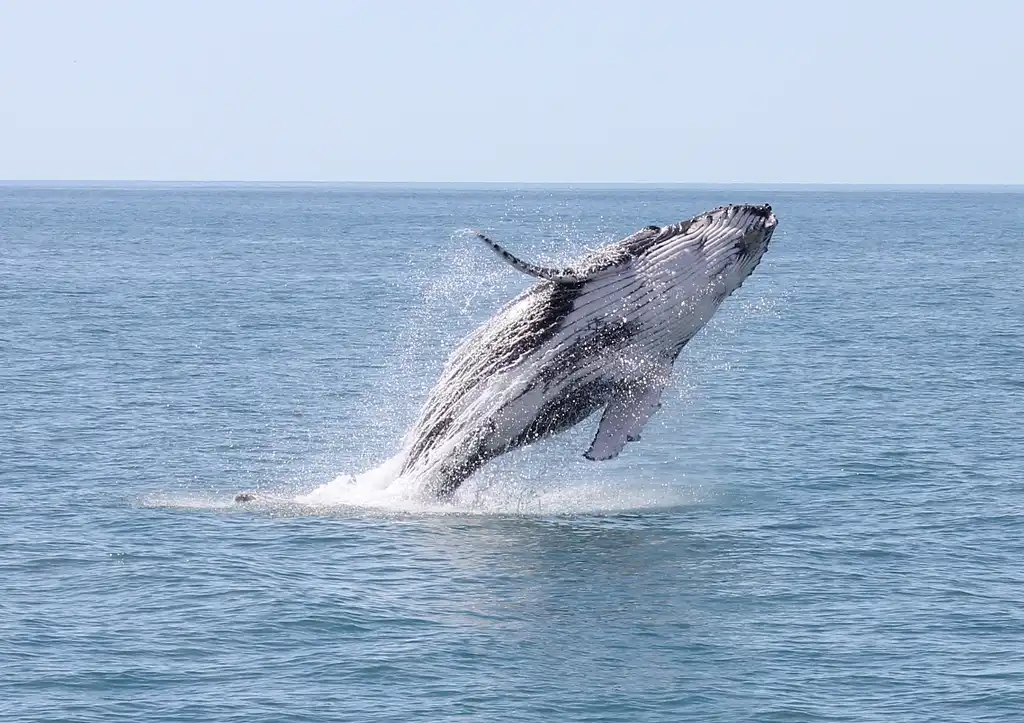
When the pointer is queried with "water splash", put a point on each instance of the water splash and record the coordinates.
(495, 492)
(456, 294)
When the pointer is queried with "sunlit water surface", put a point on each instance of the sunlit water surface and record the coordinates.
(825, 521)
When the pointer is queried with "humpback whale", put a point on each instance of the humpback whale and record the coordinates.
(602, 333)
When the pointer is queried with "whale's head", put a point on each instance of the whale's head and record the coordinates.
(714, 252)
(747, 231)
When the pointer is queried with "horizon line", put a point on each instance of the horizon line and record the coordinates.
(605, 184)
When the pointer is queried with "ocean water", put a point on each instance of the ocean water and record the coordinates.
(825, 521)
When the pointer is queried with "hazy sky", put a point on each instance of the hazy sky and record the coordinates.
(859, 92)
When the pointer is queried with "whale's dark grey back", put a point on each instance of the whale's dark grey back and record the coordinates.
(493, 349)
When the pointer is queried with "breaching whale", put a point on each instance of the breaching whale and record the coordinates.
(601, 333)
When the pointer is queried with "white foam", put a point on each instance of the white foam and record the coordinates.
(377, 487)
(500, 492)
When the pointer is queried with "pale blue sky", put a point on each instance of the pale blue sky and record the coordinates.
(820, 92)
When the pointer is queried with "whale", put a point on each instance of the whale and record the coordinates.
(600, 334)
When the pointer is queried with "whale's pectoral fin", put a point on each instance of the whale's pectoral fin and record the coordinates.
(625, 416)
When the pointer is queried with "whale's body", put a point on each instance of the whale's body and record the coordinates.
(603, 333)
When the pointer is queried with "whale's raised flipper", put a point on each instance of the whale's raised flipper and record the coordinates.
(625, 416)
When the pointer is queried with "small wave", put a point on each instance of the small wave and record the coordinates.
(379, 492)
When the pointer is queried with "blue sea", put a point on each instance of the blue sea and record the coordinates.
(824, 522)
